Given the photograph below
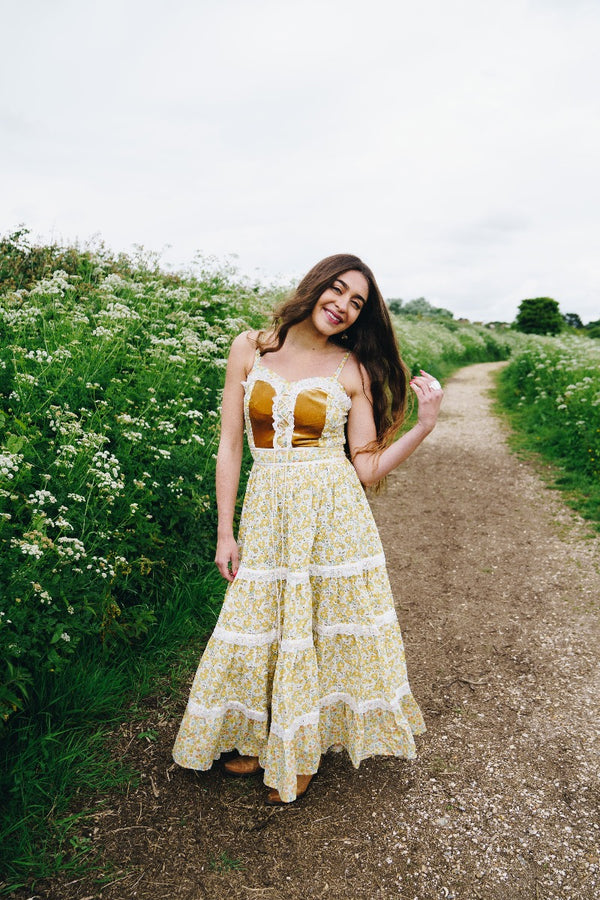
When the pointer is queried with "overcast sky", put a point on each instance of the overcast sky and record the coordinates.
(453, 144)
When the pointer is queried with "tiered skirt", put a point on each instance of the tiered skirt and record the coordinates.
(307, 653)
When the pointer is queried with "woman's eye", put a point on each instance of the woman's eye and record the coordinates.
(336, 289)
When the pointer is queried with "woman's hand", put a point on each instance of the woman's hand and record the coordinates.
(227, 557)
(372, 466)
(429, 396)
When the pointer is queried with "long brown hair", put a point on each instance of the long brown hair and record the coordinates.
(371, 338)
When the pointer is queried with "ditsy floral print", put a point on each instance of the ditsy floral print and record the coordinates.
(307, 653)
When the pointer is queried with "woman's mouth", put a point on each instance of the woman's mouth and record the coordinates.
(333, 317)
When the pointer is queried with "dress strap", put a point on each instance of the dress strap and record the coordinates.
(338, 371)
(257, 359)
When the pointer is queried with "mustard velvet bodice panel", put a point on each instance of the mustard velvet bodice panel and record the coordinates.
(260, 407)
(310, 412)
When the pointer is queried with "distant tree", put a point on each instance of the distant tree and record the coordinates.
(592, 329)
(442, 313)
(573, 320)
(422, 307)
(539, 315)
(418, 307)
(395, 305)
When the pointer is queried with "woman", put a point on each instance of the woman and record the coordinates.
(307, 653)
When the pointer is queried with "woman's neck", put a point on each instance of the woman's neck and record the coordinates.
(304, 337)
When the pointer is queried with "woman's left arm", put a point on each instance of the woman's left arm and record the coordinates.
(372, 466)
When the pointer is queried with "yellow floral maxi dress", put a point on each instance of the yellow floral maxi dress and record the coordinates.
(307, 653)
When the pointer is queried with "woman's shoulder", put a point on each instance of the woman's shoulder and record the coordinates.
(246, 342)
(243, 350)
(245, 339)
(255, 339)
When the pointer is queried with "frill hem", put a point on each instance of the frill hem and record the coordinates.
(376, 731)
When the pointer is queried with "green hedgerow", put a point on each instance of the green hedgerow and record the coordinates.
(109, 396)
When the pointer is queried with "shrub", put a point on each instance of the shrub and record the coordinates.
(552, 385)
(109, 391)
(539, 315)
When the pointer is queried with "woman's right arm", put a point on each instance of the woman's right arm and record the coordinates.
(229, 455)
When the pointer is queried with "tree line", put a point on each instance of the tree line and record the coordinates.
(536, 315)
(542, 315)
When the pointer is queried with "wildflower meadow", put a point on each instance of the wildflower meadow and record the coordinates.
(110, 394)
(442, 345)
(552, 390)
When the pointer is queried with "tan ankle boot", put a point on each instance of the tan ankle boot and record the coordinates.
(242, 765)
(303, 781)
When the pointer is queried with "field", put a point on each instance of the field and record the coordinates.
(110, 379)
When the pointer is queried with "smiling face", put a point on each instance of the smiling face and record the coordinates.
(339, 306)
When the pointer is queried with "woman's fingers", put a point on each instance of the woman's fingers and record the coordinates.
(425, 383)
(429, 394)
(235, 561)
(225, 572)
(227, 561)
(223, 569)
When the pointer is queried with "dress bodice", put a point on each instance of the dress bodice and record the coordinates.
(280, 414)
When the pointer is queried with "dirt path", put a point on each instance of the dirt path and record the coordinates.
(498, 588)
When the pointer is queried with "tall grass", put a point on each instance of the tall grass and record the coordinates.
(110, 381)
(551, 389)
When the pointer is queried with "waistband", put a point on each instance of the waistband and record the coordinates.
(278, 457)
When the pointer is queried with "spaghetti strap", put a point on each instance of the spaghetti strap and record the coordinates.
(338, 371)
(257, 358)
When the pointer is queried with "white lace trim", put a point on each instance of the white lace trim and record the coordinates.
(297, 578)
(216, 712)
(245, 638)
(283, 417)
(284, 405)
(329, 384)
(260, 638)
(358, 707)
(355, 567)
(358, 628)
(293, 644)
(310, 718)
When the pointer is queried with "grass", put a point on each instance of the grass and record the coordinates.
(442, 346)
(59, 760)
(224, 863)
(550, 393)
